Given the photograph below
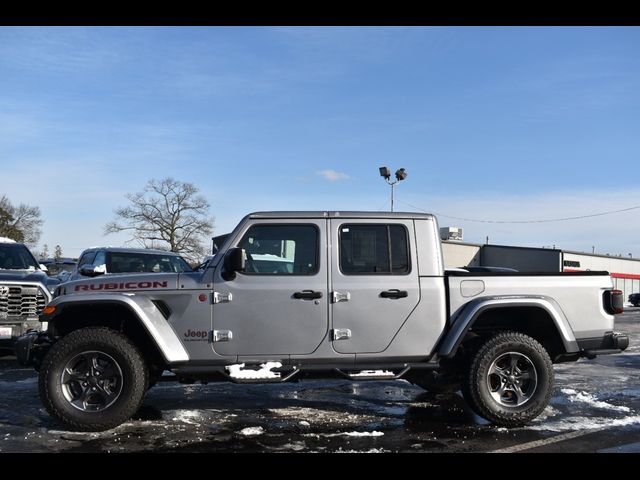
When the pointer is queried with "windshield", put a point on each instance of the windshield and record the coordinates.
(126, 262)
(14, 256)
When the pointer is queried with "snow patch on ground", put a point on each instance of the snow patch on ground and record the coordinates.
(295, 446)
(373, 373)
(193, 417)
(372, 450)
(238, 371)
(251, 431)
(364, 434)
(346, 434)
(584, 397)
(328, 417)
(586, 423)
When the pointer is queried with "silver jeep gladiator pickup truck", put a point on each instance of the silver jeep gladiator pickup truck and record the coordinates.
(295, 295)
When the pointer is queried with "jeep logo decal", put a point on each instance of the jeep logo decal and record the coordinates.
(195, 335)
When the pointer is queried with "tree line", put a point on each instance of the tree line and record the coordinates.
(167, 214)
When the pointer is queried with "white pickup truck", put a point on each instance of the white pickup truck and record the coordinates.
(349, 295)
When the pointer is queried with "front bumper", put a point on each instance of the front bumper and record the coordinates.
(611, 342)
(10, 331)
(31, 347)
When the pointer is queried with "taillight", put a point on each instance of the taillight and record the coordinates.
(613, 301)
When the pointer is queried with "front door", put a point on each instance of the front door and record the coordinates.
(374, 282)
(278, 306)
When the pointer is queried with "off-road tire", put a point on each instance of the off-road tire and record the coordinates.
(109, 344)
(477, 386)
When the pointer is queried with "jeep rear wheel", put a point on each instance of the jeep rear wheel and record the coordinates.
(93, 379)
(510, 379)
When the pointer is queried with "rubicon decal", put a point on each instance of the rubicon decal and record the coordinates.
(120, 286)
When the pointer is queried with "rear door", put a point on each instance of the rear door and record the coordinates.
(374, 282)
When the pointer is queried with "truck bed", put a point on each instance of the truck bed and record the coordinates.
(578, 295)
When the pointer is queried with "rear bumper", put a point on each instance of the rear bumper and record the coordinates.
(611, 342)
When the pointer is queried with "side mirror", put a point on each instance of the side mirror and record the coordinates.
(43, 267)
(234, 260)
(91, 271)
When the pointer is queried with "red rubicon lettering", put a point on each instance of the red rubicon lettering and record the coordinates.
(120, 286)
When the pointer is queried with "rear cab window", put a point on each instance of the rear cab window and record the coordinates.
(374, 249)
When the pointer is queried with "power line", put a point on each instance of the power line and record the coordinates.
(384, 204)
(524, 221)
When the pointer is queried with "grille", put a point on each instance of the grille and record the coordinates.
(21, 301)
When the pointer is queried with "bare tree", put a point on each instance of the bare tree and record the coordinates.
(21, 223)
(168, 214)
(57, 253)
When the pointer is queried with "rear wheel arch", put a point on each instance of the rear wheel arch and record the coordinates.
(533, 321)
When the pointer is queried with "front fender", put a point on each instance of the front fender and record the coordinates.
(144, 309)
(464, 319)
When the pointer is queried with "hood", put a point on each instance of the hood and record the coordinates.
(129, 282)
(30, 276)
(23, 275)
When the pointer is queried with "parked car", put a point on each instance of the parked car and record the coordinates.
(634, 299)
(25, 289)
(107, 260)
(59, 268)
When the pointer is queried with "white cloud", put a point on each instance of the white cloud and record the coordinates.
(332, 175)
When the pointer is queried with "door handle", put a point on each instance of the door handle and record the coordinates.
(307, 295)
(394, 293)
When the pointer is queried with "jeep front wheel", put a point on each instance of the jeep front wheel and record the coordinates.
(93, 379)
(510, 379)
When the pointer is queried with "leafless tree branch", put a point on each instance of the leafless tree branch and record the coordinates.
(168, 214)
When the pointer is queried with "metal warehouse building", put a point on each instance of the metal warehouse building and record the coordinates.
(624, 271)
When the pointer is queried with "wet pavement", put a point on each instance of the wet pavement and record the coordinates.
(596, 408)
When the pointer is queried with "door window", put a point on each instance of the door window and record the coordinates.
(281, 250)
(87, 259)
(374, 249)
(101, 259)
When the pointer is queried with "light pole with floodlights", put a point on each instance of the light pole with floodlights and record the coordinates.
(401, 174)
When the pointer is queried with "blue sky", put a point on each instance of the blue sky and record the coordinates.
(496, 123)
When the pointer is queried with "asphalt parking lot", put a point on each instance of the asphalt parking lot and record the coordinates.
(595, 408)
